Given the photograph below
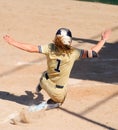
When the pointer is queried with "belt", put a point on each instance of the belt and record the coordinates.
(58, 86)
(47, 77)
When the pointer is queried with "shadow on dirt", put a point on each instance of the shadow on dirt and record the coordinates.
(104, 68)
(28, 99)
(88, 120)
(87, 110)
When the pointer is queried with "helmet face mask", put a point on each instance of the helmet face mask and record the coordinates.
(65, 34)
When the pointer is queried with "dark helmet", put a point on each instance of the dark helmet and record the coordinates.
(66, 34)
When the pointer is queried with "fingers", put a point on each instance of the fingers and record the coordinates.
(106, 34)
(6, 37)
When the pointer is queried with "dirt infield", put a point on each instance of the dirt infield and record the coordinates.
(92, 100)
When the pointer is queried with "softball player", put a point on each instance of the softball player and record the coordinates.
(60, 59)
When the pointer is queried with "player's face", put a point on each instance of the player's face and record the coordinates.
(70, 43)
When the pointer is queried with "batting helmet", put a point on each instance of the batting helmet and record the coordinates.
(66, 35)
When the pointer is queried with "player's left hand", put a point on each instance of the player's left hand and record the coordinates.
(105, 35)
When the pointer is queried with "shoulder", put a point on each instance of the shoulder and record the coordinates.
(52, 46)
(47, 48)
(76, 50)
(76, 53)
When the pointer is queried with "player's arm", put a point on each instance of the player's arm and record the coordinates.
(93, 52)
(104, 37)
(22, 46)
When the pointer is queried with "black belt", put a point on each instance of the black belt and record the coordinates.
(58, 86)
(47, 77)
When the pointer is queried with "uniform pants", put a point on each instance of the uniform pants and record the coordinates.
(56, 92)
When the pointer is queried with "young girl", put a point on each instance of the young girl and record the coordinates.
(60, 59)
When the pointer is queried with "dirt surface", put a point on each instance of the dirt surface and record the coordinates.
(92, 100)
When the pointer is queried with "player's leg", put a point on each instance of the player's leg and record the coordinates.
(52, 104)
(38, 88)
(50, 101)
(57, 93)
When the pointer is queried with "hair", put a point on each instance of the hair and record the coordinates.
(60, 46)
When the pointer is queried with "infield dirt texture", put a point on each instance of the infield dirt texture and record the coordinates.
(92, 100)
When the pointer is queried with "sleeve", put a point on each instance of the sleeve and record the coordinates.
(77, 54)
(88, 54)
(83, 54)
(44, 49)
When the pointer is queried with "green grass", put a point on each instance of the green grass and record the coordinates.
(115, 2)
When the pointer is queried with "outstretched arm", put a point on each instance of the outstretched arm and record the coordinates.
(104, 37)
(93, 52)
(22, 46)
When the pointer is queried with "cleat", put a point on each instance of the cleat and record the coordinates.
(43, 106)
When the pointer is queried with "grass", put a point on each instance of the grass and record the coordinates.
(114, 2)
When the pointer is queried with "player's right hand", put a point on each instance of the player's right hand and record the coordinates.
(8, 39)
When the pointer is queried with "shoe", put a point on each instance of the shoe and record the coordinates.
(38, 88)
(52, 104)
(43, 106)
(50, 101)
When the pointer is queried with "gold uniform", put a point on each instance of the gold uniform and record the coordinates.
(59, 66)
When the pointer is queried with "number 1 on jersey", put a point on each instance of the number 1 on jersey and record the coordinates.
(58, 65)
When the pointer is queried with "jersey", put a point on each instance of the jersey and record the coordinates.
(59, 65)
